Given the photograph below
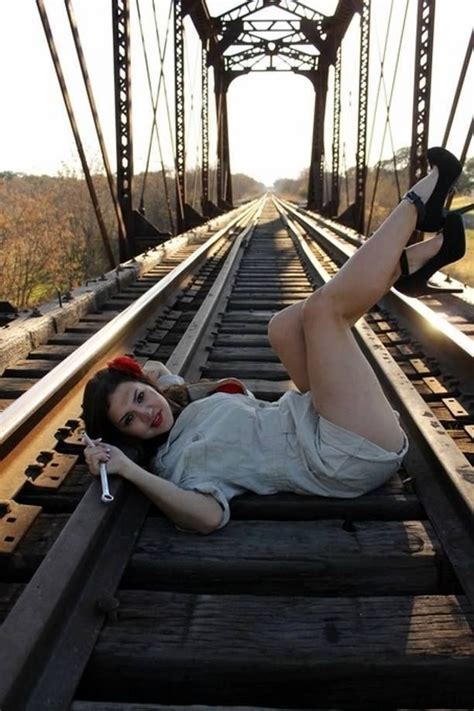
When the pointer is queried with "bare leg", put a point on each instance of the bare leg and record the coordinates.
(286, 336)
(286, 331)
(343, 386)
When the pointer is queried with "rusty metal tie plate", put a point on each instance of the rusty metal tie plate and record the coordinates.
(15, 520)
(50, 469)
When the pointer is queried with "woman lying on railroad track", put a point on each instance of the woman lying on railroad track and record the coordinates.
(338, 436)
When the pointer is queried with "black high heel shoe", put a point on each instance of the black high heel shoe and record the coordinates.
(431, 215)
(452, 249)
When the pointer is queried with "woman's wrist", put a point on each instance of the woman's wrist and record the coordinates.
(129, 468)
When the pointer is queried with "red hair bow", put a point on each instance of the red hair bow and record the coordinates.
(127, 365)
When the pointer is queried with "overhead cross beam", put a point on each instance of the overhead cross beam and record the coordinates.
(301, 40)
(252, 6)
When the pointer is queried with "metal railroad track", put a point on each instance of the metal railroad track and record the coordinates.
(442, 323)
(299, 601)
(32, 347)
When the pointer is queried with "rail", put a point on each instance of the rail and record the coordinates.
(408, 401)
(372, 556)
(27, 407)
(444, 339)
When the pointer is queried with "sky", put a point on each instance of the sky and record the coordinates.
(270, 114)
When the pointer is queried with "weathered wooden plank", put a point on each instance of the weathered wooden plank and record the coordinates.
(467, 328)
(62, 500)
(241, 340)
(273, 280)
(20, 565)
(226, 354)
(117, 706)
(256, 327)
(463, 440)
(137, 288)
(247, 316)
(9, 594)
(242, 369)
(96, 317)
(14, 387)
(67, 339)
(265, 267)
(85, 327)
(378, 653)
(297, 557)
(118, 303)
(54, 352)
(5, 402)
(35, 368)
(297, 292)
(387, 503)
(263, 303)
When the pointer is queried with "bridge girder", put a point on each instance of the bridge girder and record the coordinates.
(422, 88)
(302, 40)
(123, 114)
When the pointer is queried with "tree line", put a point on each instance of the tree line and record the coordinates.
(385, 184)
(49, 238)
(50, 241)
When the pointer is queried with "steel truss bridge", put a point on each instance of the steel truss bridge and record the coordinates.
(253, 36)
(300, 601)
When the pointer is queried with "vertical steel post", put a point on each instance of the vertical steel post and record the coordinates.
(227, 187)
(123, 117)
(205, 130)
(422, 89)
(179, 116)
(219, 99)
(224, 178)
(361, 158)
(336, 132)
(316, 172)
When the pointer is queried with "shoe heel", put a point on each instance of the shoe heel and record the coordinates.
(449, 169)
(452, 249)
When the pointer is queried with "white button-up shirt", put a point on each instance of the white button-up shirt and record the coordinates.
(228, 444)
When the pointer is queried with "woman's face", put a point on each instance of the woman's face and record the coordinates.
(139, 410)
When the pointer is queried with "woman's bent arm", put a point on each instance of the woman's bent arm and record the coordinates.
(187, 509)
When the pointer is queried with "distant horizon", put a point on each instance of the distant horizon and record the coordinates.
(77, 167)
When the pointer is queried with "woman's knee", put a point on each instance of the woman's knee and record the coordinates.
(283, 324)
(321, 306)
(275, 329)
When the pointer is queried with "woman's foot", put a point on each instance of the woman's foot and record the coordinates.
(425, 258)
(421, 253)
(434, 189)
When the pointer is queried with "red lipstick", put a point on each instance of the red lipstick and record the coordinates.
(158, 419)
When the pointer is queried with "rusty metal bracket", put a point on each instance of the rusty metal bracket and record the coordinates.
(15, 520)
(50, 469)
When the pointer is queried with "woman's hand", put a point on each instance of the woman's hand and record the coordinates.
(115, 459)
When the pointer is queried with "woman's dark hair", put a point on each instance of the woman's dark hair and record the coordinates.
(96, 403)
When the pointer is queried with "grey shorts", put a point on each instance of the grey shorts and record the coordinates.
(340, 463)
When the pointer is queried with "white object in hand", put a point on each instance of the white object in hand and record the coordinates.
(106, 495)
